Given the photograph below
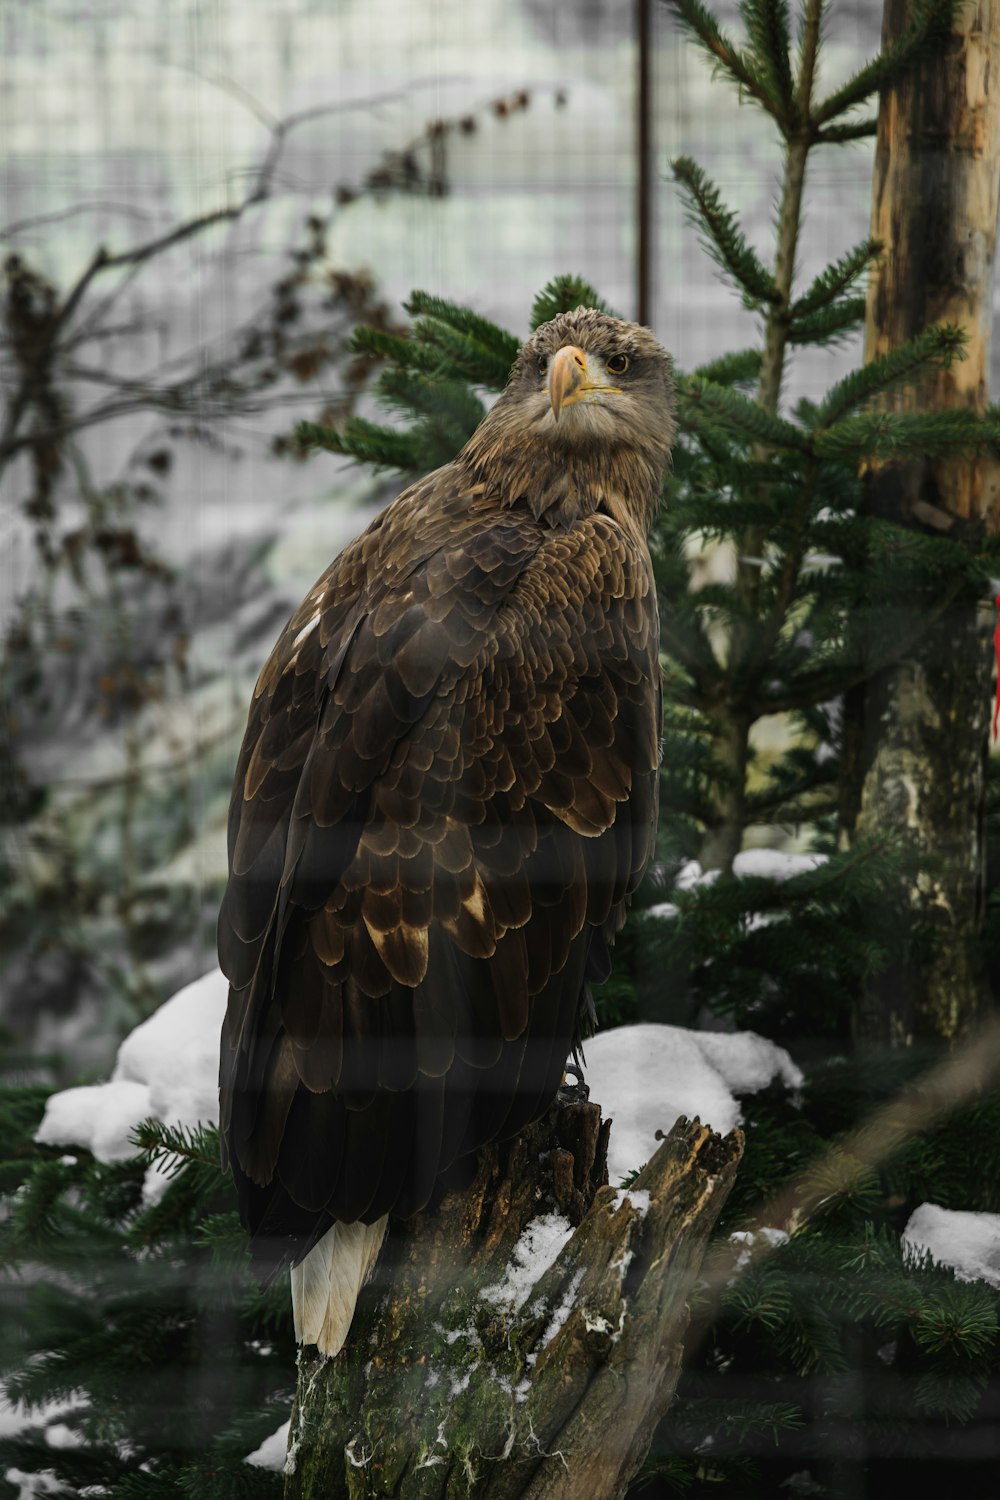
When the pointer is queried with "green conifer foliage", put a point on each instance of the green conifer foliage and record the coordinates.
(142, 1321)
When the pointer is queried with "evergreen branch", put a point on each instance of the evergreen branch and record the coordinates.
(830, 324)
(741, 415)
(562, 294)
(368, 442)
(171, 1147)
(739, 368)
(842, 135)
(193, 1184)
(765, 638)
(502, 345)
(728, 515)
(449, 403)
(740, 69)
(926, 434)
(714, 440)
(835, 279)
(961, 1319)
(930, 21)
(770, 44)
(955, 1393)
(722, 236)
(936, 347)
(465, 355)
(406, 352)
(38, 1212)
(686, 642)
(844, 671)
(781, 802)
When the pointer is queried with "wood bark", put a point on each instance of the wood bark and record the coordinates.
(916, 734)
(446, 1389)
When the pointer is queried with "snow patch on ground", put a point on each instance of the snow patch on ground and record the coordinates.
(968, 1242)
(539, 1244)
(272, 1451)
(645, 1076)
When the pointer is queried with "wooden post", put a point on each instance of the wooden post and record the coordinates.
(446, 1388)
(917, 733)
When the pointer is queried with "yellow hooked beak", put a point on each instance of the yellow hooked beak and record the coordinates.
(570, 379)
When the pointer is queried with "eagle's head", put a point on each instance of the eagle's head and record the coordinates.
(586, 373)
(589, 397)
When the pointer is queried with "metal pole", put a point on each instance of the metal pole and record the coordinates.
(644, 164)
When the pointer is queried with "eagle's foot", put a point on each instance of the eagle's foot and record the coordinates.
(572, 1093)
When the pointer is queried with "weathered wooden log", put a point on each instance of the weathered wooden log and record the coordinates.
(473, 1370)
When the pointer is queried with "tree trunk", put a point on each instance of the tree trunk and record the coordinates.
(917, 733)
(452, 1385)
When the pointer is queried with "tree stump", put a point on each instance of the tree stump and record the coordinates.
(466, 1376)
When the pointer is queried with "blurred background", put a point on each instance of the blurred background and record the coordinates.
(199, 202)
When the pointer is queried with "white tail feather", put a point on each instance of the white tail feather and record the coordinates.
(327, 1284)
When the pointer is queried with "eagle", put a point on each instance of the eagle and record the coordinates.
(445, 798)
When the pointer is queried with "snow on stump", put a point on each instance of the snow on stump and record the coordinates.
(525, 1339)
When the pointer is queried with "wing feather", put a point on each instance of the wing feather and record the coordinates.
(443, 802)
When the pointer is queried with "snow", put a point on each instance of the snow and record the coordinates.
(638, 1198)
(44, 1482)
(539, 1244)
(772, 864)
(272, 1451)
(176, 1053)
(775, 864)
(59, 1435)
(15, 1417)
(766, 1238)
(746, 1061)
(968, 1242)
(561, 1313)
(167, 1067)
(99, 1116)
(645, 1076)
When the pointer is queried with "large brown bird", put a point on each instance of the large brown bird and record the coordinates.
(445, 797)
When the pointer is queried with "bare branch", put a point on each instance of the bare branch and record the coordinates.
(96, 206)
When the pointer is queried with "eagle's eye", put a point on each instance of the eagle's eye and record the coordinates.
(618, 364)
(543, 364)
